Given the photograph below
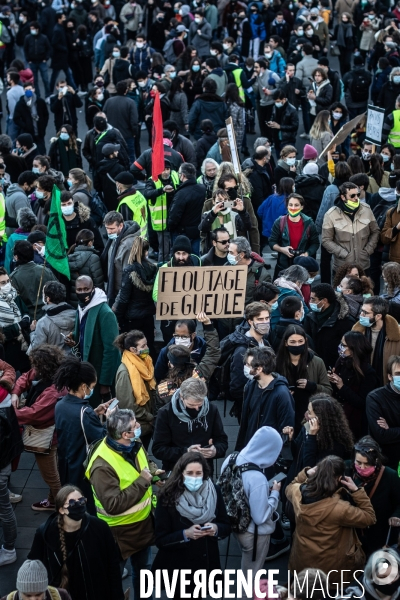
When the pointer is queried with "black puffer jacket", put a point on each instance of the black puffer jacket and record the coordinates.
(185, 213)
(288, 118)
(203, 145)
(134, 300)
(104, 180)
(260, 182)
(84, 261)
(83, 220)
(312, 188)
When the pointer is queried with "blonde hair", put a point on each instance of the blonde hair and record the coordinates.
(227, 167)
(286, 150)
(81, 177)
(138, 251)
(320, 125)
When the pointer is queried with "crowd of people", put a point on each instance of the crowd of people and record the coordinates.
(311, 369)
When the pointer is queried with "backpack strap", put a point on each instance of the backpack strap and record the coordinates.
(54, 593)
(12, 595)
(247, 467)
(232, 459)
(377, 480)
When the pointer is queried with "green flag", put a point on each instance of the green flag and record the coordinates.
(56, 237)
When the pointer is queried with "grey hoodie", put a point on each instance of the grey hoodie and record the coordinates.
(58, 319)
(15, 199)
(263, 450)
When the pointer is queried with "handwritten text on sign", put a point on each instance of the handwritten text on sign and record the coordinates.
(184, 292)
(376, 117)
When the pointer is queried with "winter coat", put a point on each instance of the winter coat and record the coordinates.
(380, 78)
(238, 116)
(122, 70)
(312, 188)
(15, 165)
(194, 554)
(327, 202)
(131, 15)
(327, 334)
(179, 112)
(269, 80)
(269, 211)
(48, 595)
(200, 42)
(79, 14)
(304, 70)
(322, 142)
(254, 236)
(141, 168)
(134, 300)
(260, 182)
(104, 181)
(82, 220)
(288, 119)
(197, 354)
(27, 279)
(144, 413)
(94, 551)
(207, 106)
(347, 83)
(185, 213)
(92, 151)
(185, 148)
(23, 117)
(203, 145)
(15, 200)
(220, 78)
(11, 445)
(280, 235)
(288, 88)
(389, 234)
(122, 113)
(172, 437)
(384, 402)
(57, 322)
(275, 408)
(120, 250)
(55, 158)
(84, 261)
(36, 48)
(242, 224)
(347, 240)
(391, 344)
(65, 111)
(325, 530)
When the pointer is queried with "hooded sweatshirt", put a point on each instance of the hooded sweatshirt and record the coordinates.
(263, 450)
(98, 298)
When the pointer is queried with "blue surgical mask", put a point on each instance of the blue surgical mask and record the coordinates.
(89, 395)
(116, 54)
(366, 321)
(231, 259)
(278, 104)
(396, 78)
(68, 209)
(64, 136)
(246, 372)
(29, 93)
(302, 316)
(69, 182)
(274, 306)
(385, 157)
(138, 433)
(396, 382)
(172, 74)
(310, 280)
(35, 170)
(112, 236)
(314, 307)
(193, 484)
(339, 289)
(290, 161)
(39, 195)
(196, 68)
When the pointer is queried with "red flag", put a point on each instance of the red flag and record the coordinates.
(157, 160)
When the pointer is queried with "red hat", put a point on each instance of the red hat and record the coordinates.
(309, 152)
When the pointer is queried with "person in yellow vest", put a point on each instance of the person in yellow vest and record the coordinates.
(159, 195)
(391, 126)
(121, 476)
(131, 203)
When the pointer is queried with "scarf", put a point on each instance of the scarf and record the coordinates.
(9, 311)
(317, 89)
(184, 416)
(67, 157)
(229, 222)
(345, 32)
(140, 370)
(290, 285)
(31, 104)
(199, 507)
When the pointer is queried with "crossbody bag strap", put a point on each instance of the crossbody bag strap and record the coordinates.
(377, 482)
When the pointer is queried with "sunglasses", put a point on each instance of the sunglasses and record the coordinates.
(225, 242)
(355, 195)
(80, 502)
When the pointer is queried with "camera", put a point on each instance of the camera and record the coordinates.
(295, 253)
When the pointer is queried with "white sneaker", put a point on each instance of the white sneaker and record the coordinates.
(7, 556)
(14, 498)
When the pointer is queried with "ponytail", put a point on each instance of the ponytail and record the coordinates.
(138, 251)
(127, 340)
(72, 373)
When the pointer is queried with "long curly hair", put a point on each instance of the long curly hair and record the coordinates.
(60, 500)
(324, 482)
(344, 270)
(391, 273)
(179, 373)
(174, 487)
(46, 359)
(333, 425)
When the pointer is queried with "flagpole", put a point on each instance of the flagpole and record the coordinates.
(40, 283)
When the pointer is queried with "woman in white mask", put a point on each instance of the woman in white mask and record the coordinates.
(65, 150)
(190, 519)
(14, 320)
(94, 103)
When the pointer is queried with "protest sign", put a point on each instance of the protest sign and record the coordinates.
(342, 134)
(184, 292)
(375, 119)
(232, 145)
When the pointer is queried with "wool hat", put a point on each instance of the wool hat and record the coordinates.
(108, 149)
(25, 139)
(314, 11)
(311, 168)
(308, 262)
(36, 236)
(309, 152)
(32, 577)
(125, 178)
(182, 243)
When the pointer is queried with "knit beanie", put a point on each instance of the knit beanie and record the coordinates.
(309, 152)
(311, 168)
(32, 577)
(182, 243)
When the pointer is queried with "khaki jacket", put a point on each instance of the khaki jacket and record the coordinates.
(325, 535)
(392, 219)
(347, 240)
(392, 341)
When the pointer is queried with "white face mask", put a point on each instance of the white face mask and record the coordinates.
(67, 210)
(100, 97)
(180, 341)
(213, 52)
(246, 371)
(225, 46)
(139, 45)
(290, 161)
(5, 289)
(197, 20)
(141, 84)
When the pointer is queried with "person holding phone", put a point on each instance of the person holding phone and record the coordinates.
(190, 518)
(229, 212)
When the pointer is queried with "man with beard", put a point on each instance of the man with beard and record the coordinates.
(96, 328)
(181, 257)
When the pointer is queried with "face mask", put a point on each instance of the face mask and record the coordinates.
(309, 33)
(213, 52)
(310, 280)
(192, 483)
(339, 289)
(139, 45)
(77, 511)
(92, 390)
(39, 195)
(278, 104)
(385, 157)
(116, 54)
(196, 68)
(366, 321)
(64, 136)
(246, 372)
(21, 19)
(341, 351)
(296, 350)
(262, 328)
(291, 6)
(67, 210)
(314, 307)
(294, 212)
(112, 236)
(366, 472)
(290, 161)
(298, 48)
(84, 299)
(100, 97)
(366, 155)
(138, 433)
(301, 319)
(34, 31)
(396, 381)
(35, 170)
(197, 20)
(231, 259)
(300, 32)
(42, 251)
(99, 83)
(274, 306)
(337, 116)
(6, 288)
(225, 46)
(268, 55)
(29, 93)
(143, 353)
(181, 341)
(352, 205)
(141, 84)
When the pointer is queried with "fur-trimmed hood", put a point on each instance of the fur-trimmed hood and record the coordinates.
(344, 310)
(391, 326)
(83, 212)
(143, 275)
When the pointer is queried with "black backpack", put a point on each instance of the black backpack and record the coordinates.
(359, 87)
(98, 209)
(381, 210)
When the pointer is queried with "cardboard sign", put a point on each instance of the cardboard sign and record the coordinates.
(342, 134)
(375, 119)
(232, 145)
(218, 291)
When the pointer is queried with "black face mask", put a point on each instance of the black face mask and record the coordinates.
(192, 412)
(84, 297)
(388, 588)
(76, 512)
(296, 350)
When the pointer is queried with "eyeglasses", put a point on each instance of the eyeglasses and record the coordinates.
(225, 242)
(354, 195)
(182, 337)
(363, 313)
